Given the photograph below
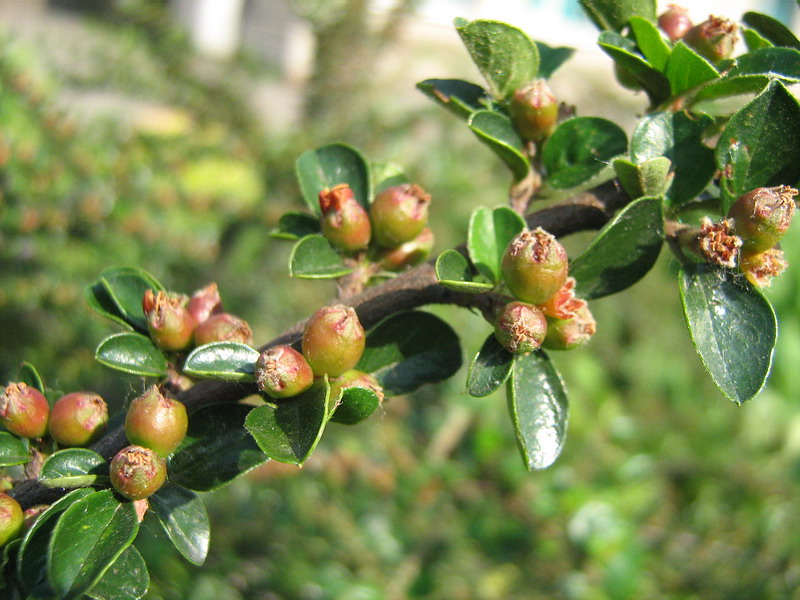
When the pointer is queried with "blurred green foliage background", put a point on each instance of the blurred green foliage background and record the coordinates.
(664, 490)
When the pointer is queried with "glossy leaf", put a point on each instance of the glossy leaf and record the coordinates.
(407, 350)
(648, 38)
(28, 375)
(216, 449)
(551, 58)
(771, 29)
(623, 252)
(91, 534)
(126, 287)
(580, 148)
(490, 232)
(490, 368)
(99, 300)
(622, 51)
(497, 132)
(131, 353)
(329, 166)
(732, 326)
(289, 432)
(455, 272)
(615, 14)
(296, 225)
(539, 410)
(460, 97)
(228, 361)
(126, 579)
(13, 451)
(505, 55)
(73, 467)
(686, 69)
(357, 404)
(314, 258)
(183, 516)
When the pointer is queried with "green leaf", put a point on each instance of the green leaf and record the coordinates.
(551, 58)
(490, 368)
(73, 467)
(126, 287)
(126, 579)
(490, 232)
(216, 449)
(539, 410)
(623, 252)
(313, 257)
(455, 272)
(228, 361)
(32, 564)
(99, 300)
(678, 137)
(88, 538)
(505, 55)
(768, 130)
(183, 516)
(461, 98)
(615, 14)
(580, 148)
(357, 404)
(329, 166)
(13, 451)
(648, 38)
(771, 29)
(732, 326)
(386, 175)
(28, 375)
(650, 178)
(754, 40)
(686, 69)
(295, 225)
(131, 353)
(498, 133)
(623, 52)
(409, 349)
(290, 431)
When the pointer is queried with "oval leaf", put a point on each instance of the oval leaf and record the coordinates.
(461, 98)
(614, 15)
(131, 353)
(623, 252)
(407, 350)
(216, 449)
(551, 58)
(490, 232)
(183, 516)
(329, 166)
(732, 326)
(314, 258)
(497, 132)
(455, 272)
(489, 369)
(126, 579)
(648, 39)
(295, 225)
(73, 467)
(227, 361)
(28, 375)
(772, 29)
(99, 300)
(686, 69)
(356, 405)
(13, 451)
(126, 287)
(538, 405)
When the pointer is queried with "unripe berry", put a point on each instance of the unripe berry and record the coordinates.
(407, 254)
(223, 327)
(713, 39)
(675, 22)
(11, 519)
(156, 420)
(78, 419)
(350, 413)
(333, 340)
(399, 214)
(534, 111)
(24, 410)
(282, 372)
(168, 320)
(761, 267)
(566, 334)
(520, 327)
(762, 216)
(137, 472)
(204, 303)
(344, 223)
(535, 266)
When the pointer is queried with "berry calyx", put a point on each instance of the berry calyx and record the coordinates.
(564, 304)
(407, 254)
(156, 420)
(761, 267)
(169, 322)
(78, 419)
(282, 372)
(762, 216)
(333, 340)
(399, 214)
(717, 242)
(204, 303)
(351, 412)
(713, 39)
(24, 410)
(12, 519)
(534, 266)
(345, 223)
(223, 327)
(675, 22)
(520, 327)
(534, 111)
(566, 334)
(137, 472)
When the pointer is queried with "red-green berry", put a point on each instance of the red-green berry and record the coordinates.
(407, 254)
(566, 334)
(713, 39)
(156, 420)
(348, 410)
(24, 410)
(564, 304)
(535, 266)
(520, 327)
(761, 267)
(675, 22)
(223, 327)
(282, 372)
(137, 472)
(12, 519)
(78, 419)
(534, 111)
(169, 322)
(344, 222)
(204, 303)
(762, 216)
(399, 214)
(333, 340)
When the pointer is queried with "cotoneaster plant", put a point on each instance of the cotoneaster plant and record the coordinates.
(716, 191)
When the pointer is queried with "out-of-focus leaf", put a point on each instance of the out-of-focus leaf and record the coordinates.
(228, 361)
(313, 257)
(653, 81)
(490, 232)
(329, 166)
(28, 375)
(99, 300)
(489, 369)
(497, 132)
(460, 97)
(771, 29)
(754, 40)
(183, 516)
(357, 404)
(13, 451)
(551, 58)
(615, 14)
(455, 272)
(131, 353)
(295, 225)
(126, 579)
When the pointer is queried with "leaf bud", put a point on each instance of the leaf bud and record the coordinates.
(156, 420)
(566, 334)
(333, 340)
(350, 412)
(169, 322)
(408, 253)
(12, 519)
(534, 111)
(78, 419)
(520, 327)
(137, 472)
(24, 410)
(399, 214)
(675, 22)
(223, 327)
(282, 372)
(761, 267)
(204, 303)
(763, 215)
(535, 266)
(344, 223)
(713, 39)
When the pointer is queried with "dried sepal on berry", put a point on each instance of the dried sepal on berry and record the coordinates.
(713, 39)
(534, 266)
(564, 304)
(566, 334)
(520, 327)
(761, 267)
(282, 372)
(718, 243)
(169, 322)
(763, 215)
(137, 472)
(24, 411)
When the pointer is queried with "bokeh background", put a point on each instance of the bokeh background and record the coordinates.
(143, 132)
